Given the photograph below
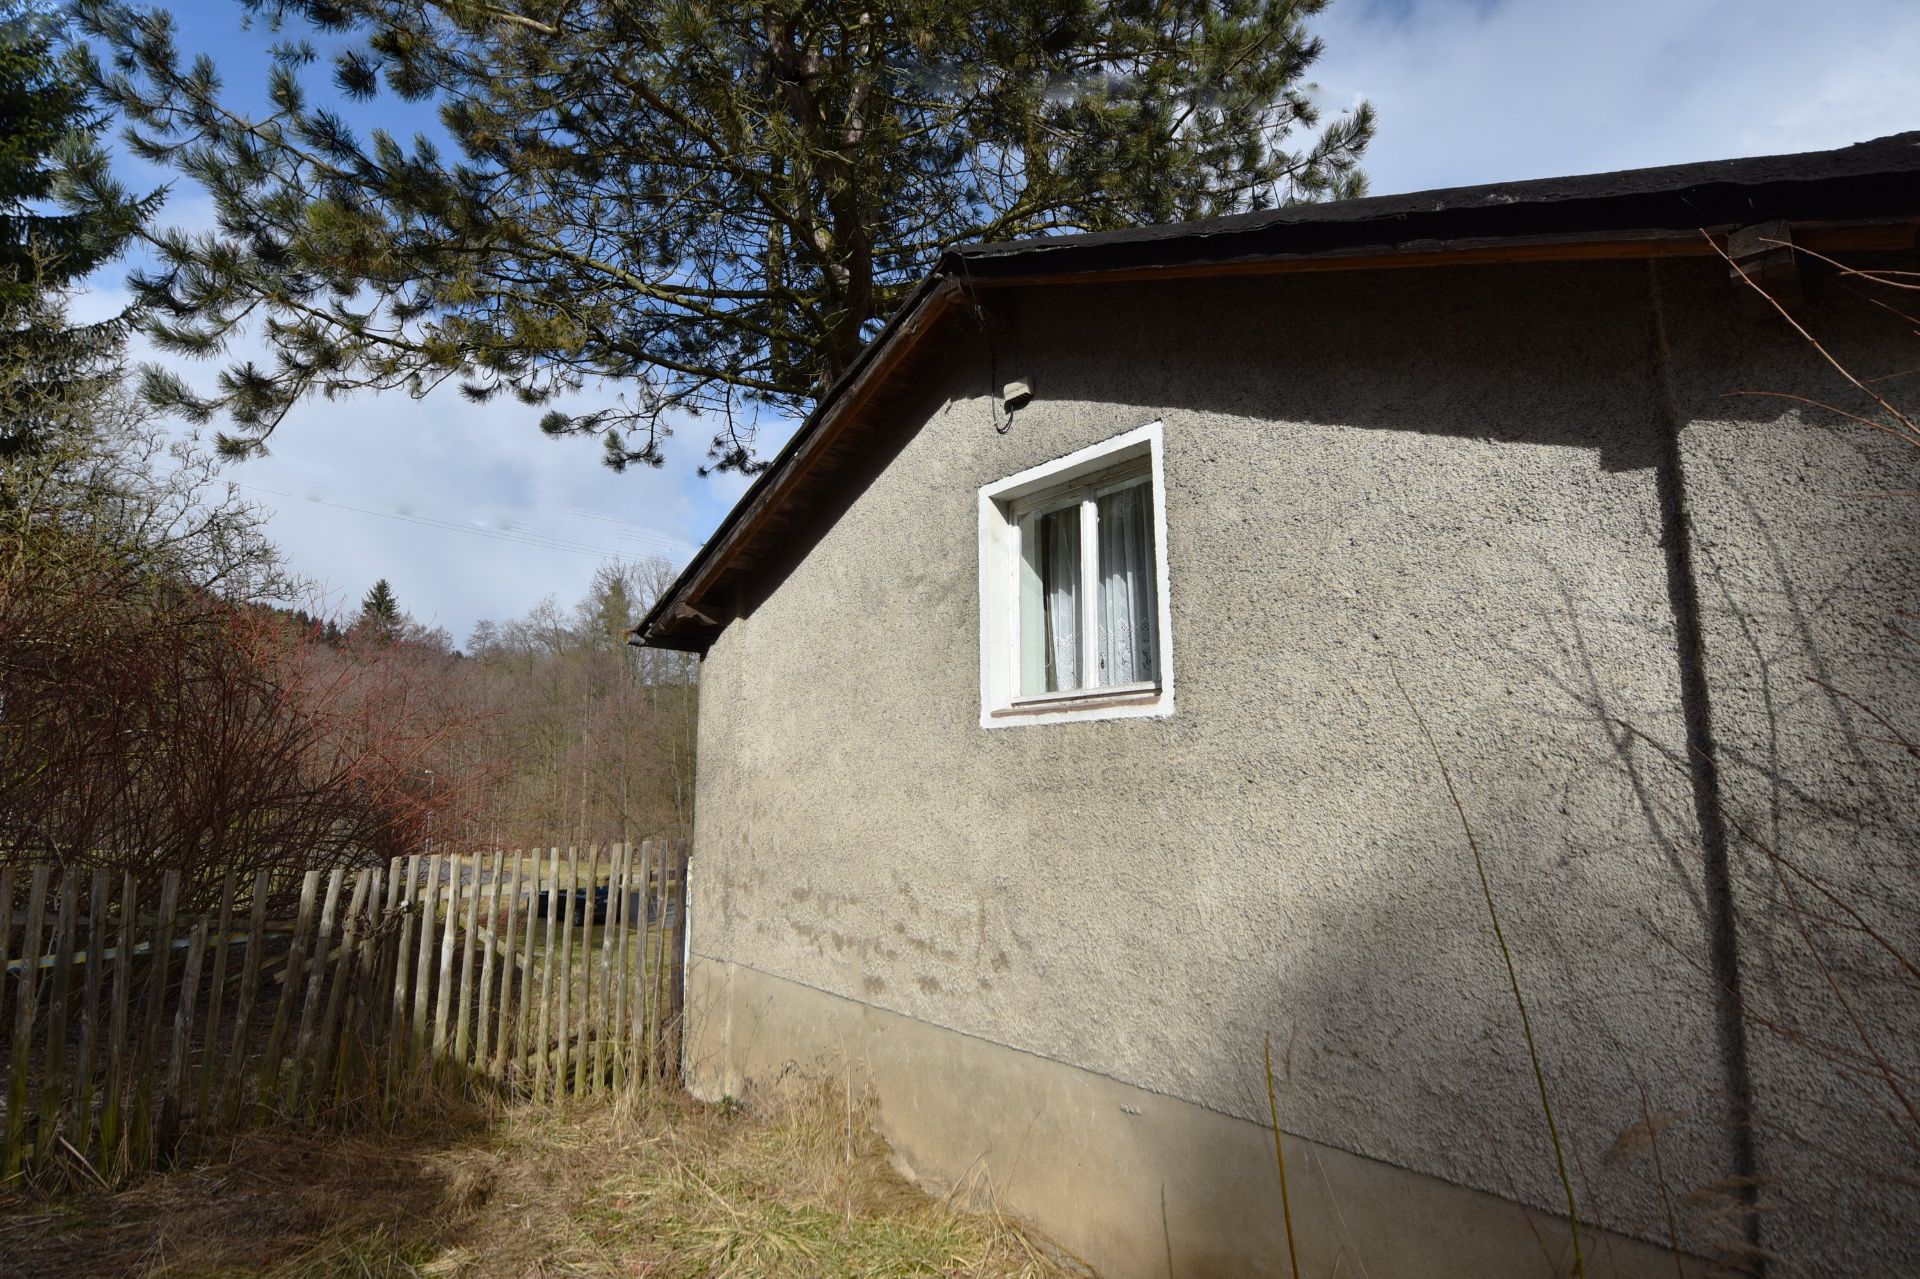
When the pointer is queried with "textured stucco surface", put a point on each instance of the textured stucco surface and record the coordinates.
(1140, 1184)
(1452, 475)
(1808, 570)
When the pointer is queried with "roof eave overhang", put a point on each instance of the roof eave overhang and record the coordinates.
(690, 615)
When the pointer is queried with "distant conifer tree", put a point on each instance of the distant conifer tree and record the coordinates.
(379, 609)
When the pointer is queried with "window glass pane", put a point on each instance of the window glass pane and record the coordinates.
(1050, 602)
(1032, 621)
(1127, 607)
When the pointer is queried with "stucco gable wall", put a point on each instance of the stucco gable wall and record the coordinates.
(1451, 473)
(1808, 568)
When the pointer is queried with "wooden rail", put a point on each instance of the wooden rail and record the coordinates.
(129, 1029)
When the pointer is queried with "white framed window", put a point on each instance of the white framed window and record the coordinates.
(1073, 588)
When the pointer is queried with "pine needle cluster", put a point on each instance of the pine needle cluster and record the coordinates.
(709, 206)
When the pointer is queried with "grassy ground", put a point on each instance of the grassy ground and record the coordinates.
(667, 1188)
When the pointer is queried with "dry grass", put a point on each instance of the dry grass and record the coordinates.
(667, 1188)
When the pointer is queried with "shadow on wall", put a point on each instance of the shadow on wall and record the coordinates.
(1811, 673)
(1805, 569)
(1388, 1004)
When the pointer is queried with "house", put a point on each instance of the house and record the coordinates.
(1061, 746)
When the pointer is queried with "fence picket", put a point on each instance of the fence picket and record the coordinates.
(321, 1085)
(541, 1072)
(663, 901)
(234, 1079)
(397, 1058)
(562, 1039)
(116, 1082)
(81, 1120)
(642, 991)
(677, 960)
(483, 1036)
(268, 1089)
(423, 962)
(6, 933)
(216, 999)
(366, 1003)
(380, 999)
(583, 1049)
(446, 975)
(53, 1080)
(614, 965)
(146, 1061)
(26, 999)
(523, 1014)
(497, 1069)
(316, 979)
(172, 1088)
(463, 992)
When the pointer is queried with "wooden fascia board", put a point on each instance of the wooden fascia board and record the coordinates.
(1585, 247)
(845, 411)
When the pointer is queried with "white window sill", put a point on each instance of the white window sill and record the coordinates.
(1082, 695)
(1121, 701)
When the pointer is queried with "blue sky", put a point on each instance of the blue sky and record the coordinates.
(471, 513)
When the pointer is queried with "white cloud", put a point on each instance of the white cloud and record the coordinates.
(1473, 93)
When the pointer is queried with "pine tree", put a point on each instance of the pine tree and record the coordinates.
(379, 609)
(607, 613)
(711, 205)
(61, 217)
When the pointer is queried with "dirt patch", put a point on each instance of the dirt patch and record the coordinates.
(664, 1188)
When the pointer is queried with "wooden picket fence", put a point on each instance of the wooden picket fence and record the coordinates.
(536, 975)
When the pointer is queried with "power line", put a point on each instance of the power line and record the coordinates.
(518, 535)
(631, 532)
(538, 541)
